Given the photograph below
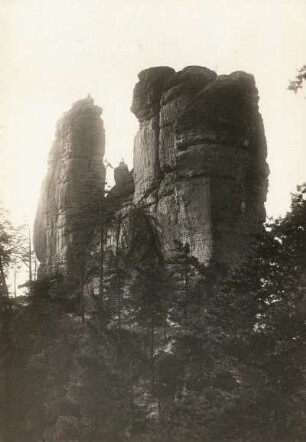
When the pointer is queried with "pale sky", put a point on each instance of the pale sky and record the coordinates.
(54, 52)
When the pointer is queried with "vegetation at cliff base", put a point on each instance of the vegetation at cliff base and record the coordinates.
(178, 355)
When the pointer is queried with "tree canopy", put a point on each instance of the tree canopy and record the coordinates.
(195, 354)
(299, 80)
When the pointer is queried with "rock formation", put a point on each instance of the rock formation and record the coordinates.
(69, 206)
(199, 177)
(199, 162)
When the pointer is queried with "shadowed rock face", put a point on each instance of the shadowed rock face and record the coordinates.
(199, 177)
(68, 209)
(199, 160)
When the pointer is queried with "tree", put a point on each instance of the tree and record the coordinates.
(266, 305)
(6, 253)
(299, 80)
(23, 250)
(15, 251)
(231, 366)
(243, 347)
(7, 259)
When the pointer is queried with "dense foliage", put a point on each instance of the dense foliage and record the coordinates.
(186, 354)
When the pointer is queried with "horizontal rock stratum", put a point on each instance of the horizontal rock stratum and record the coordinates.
(199, 178)
(68, 210)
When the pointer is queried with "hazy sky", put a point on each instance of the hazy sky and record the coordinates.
(53, 52)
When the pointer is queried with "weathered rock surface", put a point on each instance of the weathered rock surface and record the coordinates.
(69, 205)
(178, 92)
(209, 169)
(199, 178)
(146, 107)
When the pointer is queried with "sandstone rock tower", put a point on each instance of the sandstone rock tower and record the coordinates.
(199, 177)
(69, 205)
(199, 160)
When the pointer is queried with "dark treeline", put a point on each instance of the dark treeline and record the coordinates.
(180, 354)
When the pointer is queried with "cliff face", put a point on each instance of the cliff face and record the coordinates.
(199, 163)
(199, 177)
(68, 210)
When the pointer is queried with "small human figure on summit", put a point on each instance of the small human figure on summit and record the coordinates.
(89, 98)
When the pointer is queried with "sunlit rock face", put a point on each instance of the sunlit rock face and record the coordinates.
(146, 107)
(69, 205)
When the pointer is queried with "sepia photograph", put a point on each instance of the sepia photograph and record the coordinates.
(152, 221)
